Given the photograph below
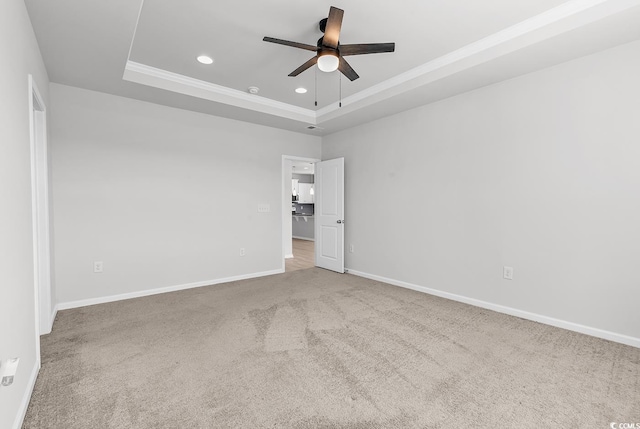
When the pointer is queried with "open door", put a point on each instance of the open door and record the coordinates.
(329, 214)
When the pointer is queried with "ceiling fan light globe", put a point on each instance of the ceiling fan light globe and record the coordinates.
(328, 62)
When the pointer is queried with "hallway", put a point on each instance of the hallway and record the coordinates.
(303, 256)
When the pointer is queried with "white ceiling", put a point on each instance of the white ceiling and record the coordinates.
(146, 50)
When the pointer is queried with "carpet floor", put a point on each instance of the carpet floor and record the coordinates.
(315, 349)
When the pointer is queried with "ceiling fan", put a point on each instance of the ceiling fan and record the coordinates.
(329, 52)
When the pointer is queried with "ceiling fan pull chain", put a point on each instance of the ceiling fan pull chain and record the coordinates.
(316, 84)
(340, 103)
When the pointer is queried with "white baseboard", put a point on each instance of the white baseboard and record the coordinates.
(112, 298)
(289, 256)
(24, 404)
(303, 238)
(594, 332)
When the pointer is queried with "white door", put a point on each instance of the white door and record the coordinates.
(329, 214)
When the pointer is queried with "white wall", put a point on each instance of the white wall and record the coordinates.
(20, 57)
(163, 196)
(541, 173)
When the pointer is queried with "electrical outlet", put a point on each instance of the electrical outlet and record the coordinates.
(351, 248)
(98, 266)
(242, 251)
(507, 273)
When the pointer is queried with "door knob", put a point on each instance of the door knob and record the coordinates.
(340, 221)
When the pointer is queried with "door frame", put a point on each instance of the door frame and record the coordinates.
(286, 200)
(40, 209)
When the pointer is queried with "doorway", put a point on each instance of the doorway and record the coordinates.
(298, 231)
(40, 209)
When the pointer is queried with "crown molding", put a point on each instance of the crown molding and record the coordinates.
(159, 78)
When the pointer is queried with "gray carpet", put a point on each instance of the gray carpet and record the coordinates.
(314, 349)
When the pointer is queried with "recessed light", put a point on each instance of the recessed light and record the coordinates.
(253, 90)
(205, 59)
(301, 90)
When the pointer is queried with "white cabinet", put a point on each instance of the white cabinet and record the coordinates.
(306, 192)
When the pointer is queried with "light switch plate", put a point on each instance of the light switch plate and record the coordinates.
(507, 273)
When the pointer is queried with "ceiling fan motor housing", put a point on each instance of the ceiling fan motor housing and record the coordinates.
(320, 46)
(323, 24)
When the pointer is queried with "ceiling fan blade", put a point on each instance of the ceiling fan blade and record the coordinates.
(292, 44)
(304, 66)
(367, 48)
(332, 30)
(347, 70)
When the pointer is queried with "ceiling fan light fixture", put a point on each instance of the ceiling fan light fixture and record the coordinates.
(328, 62)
